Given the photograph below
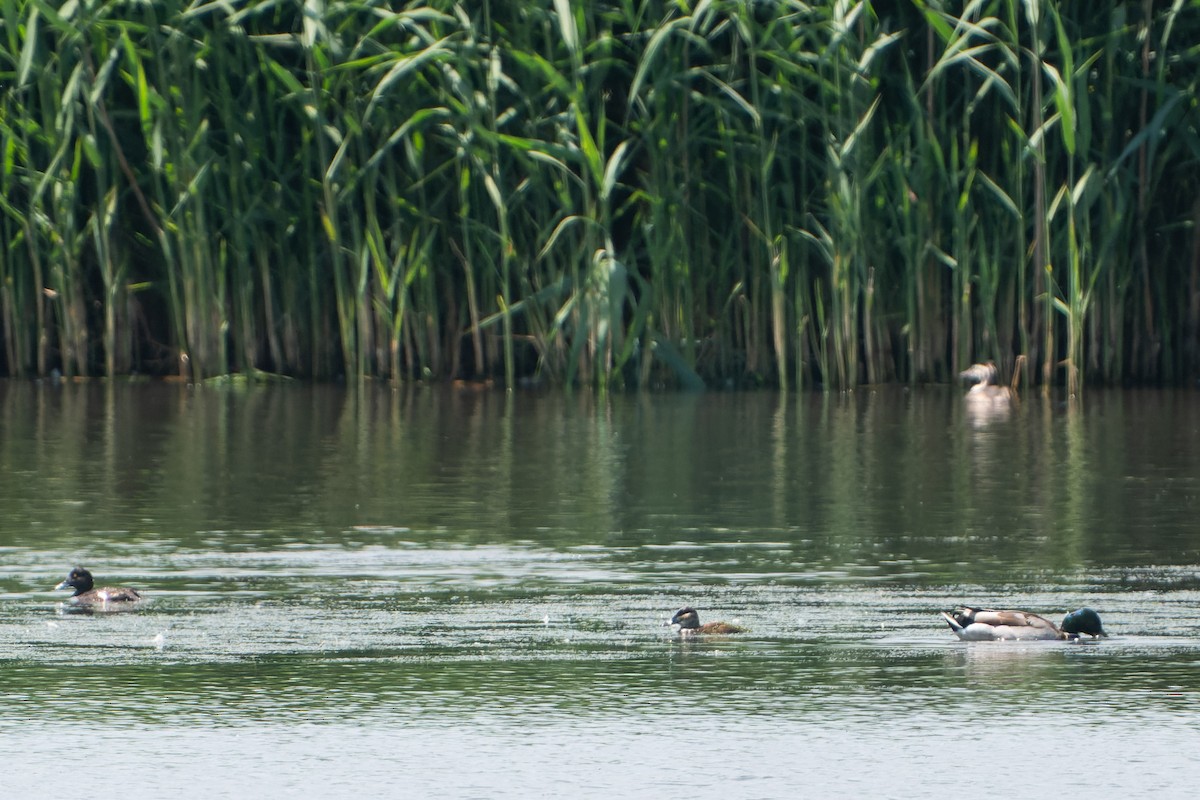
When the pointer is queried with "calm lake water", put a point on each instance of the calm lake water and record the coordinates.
(439, 593)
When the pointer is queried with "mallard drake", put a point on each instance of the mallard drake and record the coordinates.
(689, 624)
(985, 625)
(81, 581)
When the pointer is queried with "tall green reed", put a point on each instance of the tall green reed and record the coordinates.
(605, 194)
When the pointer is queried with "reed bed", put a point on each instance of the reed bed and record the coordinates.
(609, 194)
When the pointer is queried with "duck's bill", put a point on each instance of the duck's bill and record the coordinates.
(63, 585)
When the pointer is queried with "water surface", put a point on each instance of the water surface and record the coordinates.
(449, 593)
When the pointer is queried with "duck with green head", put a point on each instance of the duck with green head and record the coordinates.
(986, 625)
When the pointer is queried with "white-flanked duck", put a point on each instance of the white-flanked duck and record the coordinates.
(689, 624)
(81, 581)
(986, 625)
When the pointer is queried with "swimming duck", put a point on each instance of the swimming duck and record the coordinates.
(986, 388)
(985, 625)
(80, 580)
(689, 624)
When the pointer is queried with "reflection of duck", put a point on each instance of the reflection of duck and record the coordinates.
(80, 580)
(689, 624)
(985, 625)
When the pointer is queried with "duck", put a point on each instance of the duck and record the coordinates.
(985, 625)
(689, 624)
(985, 387)
(81, 581)
(985, 380)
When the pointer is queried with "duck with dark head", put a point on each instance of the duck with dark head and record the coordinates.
(86, 595)
(985, 625)
(688, 622)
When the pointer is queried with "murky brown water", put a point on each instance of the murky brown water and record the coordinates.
(464, 595)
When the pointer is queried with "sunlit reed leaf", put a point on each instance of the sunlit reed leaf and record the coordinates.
(28, 48)
(612, 170)
(566, 26)
(401, 69)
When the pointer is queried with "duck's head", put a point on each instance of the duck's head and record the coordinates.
(1083, 620)
(686, 619)
(78, 579)
(980, 373)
